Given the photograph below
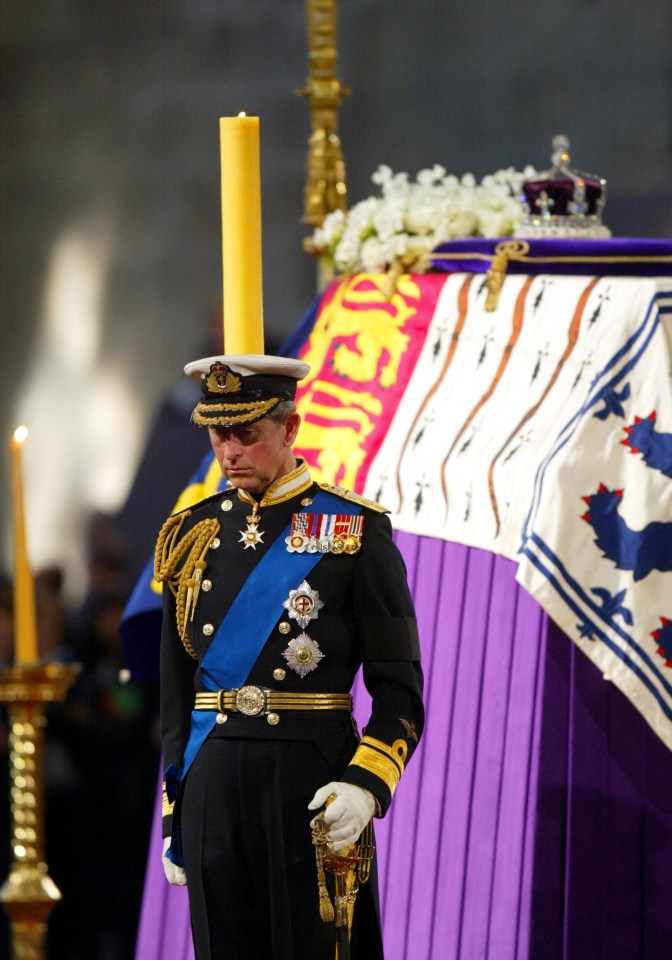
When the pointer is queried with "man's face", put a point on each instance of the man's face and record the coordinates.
(253, 455)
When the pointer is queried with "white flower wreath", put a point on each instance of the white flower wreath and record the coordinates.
(399, 229)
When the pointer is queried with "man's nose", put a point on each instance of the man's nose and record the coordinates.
(232, 449)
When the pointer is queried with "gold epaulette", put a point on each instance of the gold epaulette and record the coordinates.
(354, 497)
(383, 761)
(180, 561)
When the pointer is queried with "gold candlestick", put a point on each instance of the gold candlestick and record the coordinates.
(325, 188)
(29, 894)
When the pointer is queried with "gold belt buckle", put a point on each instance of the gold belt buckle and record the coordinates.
(251, 701)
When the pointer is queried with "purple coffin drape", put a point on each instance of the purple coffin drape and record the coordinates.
(535, 822)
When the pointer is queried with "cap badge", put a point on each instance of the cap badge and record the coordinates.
(222, 380)
(302, 655)
(303, 604)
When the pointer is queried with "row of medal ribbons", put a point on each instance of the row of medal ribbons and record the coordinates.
(325, 533)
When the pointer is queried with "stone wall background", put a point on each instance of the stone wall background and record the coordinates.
(110, 180)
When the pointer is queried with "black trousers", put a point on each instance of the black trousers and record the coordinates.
(249, 858)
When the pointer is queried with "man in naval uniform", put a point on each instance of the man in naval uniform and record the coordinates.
(276, 591)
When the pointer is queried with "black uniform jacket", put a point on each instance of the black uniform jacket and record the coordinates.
(367, 619)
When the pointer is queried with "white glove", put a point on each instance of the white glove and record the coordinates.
(174, 874)
(347, 815)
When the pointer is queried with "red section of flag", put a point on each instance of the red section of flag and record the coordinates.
(362, 350)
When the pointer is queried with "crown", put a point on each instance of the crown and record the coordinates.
(562, 202)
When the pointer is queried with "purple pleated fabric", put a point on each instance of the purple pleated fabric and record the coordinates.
(165, 930)
(535, 821)
(604, 821)
(456, 848)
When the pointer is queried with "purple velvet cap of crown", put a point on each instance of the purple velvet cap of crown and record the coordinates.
(561, 191)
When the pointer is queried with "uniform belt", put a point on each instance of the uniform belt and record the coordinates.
(253, 701)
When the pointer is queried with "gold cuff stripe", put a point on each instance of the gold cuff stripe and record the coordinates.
(383, 761)
(396, 752)
(377, 764)
(166, 805)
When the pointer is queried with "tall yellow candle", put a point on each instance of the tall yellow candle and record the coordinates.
(25, 628)
(241, 235)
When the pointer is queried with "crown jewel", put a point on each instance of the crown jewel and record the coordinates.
(562, 202)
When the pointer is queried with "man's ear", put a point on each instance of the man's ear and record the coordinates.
(292, 428)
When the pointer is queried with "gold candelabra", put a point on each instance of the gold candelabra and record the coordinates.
(325, 188)
(29, 894)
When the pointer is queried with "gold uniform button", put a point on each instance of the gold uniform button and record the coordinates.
(273, 719)
(206, 585)
(215, 543)
(222, 717)
(279, 674)
(226, 505)
(284, 627)
(208, 629)
(306, 502)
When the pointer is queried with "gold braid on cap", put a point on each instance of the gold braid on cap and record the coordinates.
(210, 414)
(184, 581)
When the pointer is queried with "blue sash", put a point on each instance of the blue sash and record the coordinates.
(251, 618)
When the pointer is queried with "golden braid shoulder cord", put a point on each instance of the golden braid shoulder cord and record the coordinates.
(185, 581)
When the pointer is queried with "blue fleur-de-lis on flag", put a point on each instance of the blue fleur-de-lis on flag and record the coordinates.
(613, 403)
(610, 607)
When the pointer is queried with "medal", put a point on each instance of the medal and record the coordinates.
(303, 604)
(252, 535)
(325, 533)
(298, 534)
(302, 655)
